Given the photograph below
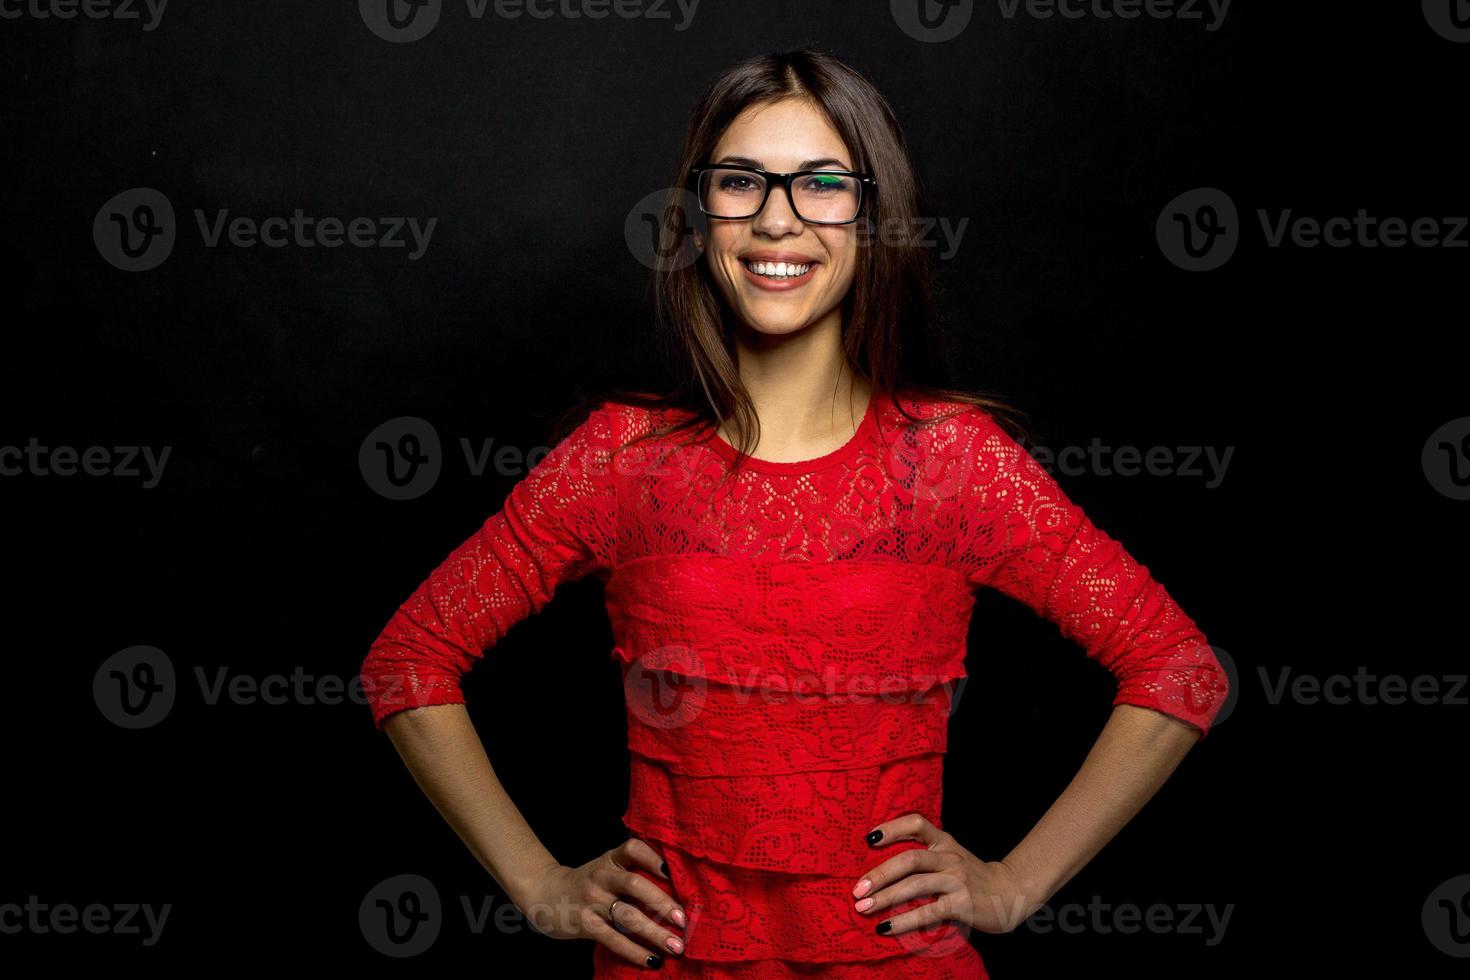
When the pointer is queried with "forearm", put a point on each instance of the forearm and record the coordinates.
(1135, 753)
(439, 745)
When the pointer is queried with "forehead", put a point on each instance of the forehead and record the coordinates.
(782, 135)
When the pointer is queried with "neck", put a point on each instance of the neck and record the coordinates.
(805, 394)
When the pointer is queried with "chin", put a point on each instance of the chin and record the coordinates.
(774, 326)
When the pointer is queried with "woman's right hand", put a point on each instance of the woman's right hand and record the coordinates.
(572, 903)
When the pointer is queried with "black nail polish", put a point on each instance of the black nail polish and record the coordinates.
(654, 960)
(883, 926)
(875, 837)
(664, 867)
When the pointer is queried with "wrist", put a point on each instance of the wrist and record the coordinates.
(1034, 887)
(521, 886)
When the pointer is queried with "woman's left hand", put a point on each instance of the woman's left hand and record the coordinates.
(987, 895)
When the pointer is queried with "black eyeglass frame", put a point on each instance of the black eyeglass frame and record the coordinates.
(863, 179)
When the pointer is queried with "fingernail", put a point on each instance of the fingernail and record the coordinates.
(861, 888)
(674, 944)
(678, 916)
(875, 837)
(884, 926)
(664, 867)
(865, 904)
(654, 960)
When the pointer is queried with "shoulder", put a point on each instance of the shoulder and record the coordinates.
(625, 420)
(942, 417)
(631, 427)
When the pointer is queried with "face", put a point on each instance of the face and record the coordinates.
(779, 138)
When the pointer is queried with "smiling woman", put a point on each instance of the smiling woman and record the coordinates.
(790, 617)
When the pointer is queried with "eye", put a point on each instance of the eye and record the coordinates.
(736, 182)
(825, 183)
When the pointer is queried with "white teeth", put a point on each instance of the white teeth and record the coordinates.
(778, 270)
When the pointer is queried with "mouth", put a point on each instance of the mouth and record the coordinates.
(778, 275)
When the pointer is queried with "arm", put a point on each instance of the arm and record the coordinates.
(1033, 543)
(555, 526)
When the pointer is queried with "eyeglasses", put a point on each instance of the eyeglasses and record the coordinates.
(823, 197)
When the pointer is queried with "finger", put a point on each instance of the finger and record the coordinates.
(654, 903)
(595, 927)
(906, 888)
(904, 863)
(641, 853)
(926, 915)
(612, 876)
(631, 919)
(910, 826)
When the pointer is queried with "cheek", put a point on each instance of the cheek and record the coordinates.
(842, 256)
(720, 252)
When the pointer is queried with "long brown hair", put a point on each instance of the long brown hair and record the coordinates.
(890, 335)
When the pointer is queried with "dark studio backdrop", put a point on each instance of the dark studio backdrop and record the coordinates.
(1305, 406)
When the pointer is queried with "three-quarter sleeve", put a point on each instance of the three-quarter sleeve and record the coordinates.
(1024, 537)
(554, 526)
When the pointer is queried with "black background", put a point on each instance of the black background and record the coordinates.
(264, 550)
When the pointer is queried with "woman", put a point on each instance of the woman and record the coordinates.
(790, 615)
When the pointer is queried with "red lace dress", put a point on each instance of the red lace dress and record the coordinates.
(790, 640)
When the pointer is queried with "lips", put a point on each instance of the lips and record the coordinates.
(783, 283)
(769, 255)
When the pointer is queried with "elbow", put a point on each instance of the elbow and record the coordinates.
(1185, 680)
(395, 677)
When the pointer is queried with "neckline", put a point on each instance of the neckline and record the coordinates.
(865, 428)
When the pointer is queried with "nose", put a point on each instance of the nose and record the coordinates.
(777, 217)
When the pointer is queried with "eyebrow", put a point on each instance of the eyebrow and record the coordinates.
(804, 165)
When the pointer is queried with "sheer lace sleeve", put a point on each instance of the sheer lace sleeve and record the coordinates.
(555, 526)
(1027, 539)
